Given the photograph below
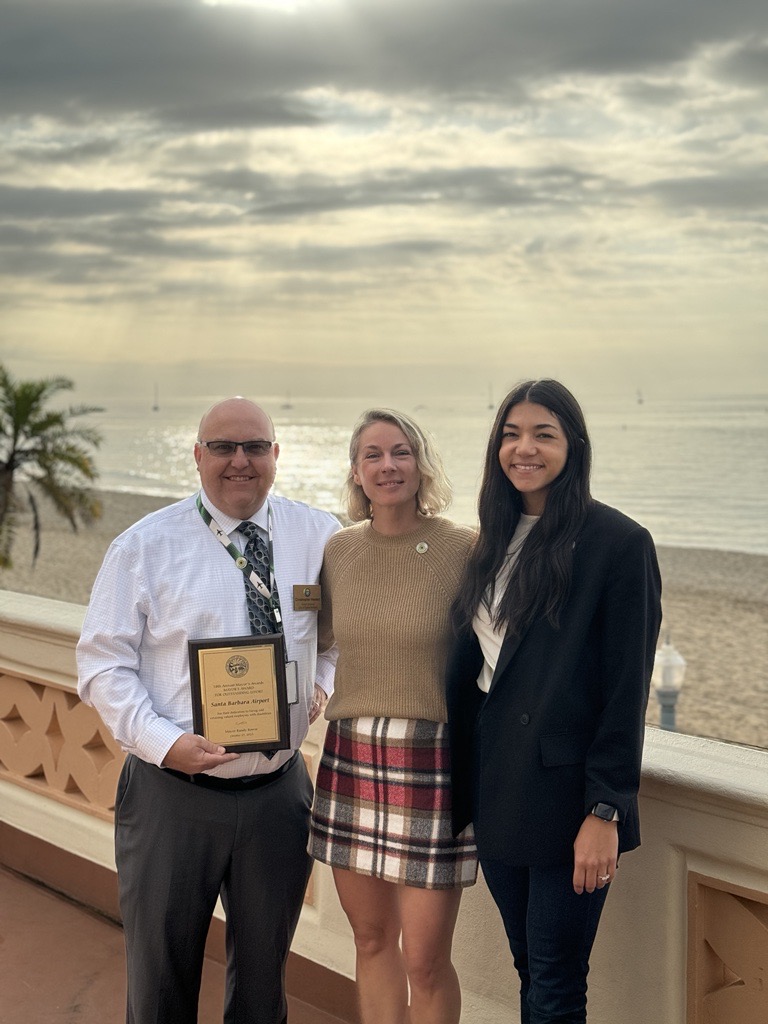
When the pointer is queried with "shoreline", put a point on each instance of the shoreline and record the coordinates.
(715, 608)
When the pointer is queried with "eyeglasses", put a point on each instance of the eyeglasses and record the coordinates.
(251, 449)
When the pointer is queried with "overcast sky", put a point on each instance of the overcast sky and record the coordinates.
(441, 191)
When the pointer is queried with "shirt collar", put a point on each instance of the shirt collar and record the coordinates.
(260, 517)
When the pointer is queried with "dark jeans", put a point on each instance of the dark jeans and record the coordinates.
(550, 930)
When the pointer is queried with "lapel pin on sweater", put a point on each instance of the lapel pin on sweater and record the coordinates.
(422, 546)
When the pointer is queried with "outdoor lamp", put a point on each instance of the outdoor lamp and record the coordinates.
(667, 679)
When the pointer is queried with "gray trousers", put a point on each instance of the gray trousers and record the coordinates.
(178, 846)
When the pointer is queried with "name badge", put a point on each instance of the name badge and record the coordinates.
(307, 597)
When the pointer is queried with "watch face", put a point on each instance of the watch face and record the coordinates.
(604, 811)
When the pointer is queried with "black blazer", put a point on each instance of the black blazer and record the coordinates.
(563, 724)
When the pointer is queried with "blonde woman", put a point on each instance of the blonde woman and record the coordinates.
(382, 811)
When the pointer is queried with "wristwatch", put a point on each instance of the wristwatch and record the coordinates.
(606, 812)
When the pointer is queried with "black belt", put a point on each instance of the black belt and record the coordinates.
(236, 785)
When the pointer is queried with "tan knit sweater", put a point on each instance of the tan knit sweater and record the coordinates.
(386, 601)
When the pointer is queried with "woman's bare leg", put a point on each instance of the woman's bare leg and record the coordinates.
(373, 909)
(428, 918)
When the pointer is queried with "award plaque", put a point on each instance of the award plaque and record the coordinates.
(239, 694)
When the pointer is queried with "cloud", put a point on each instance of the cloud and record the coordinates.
(727, 193)
(355, 169)
(21, 203)
(54, 152)
(61, 57)
(747, 63)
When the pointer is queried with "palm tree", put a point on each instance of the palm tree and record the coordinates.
(42, 454)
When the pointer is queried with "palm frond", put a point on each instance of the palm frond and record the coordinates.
(48, 455)
(35, 526)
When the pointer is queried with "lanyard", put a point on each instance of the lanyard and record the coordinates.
(242, 563)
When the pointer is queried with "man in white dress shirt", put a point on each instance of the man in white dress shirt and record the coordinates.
(192, 821)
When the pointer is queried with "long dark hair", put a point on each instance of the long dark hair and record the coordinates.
(542, 577)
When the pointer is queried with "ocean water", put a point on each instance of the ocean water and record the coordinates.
(694, 471)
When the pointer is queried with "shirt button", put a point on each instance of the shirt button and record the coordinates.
(525, 719)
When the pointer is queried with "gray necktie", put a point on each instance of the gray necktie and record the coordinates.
(260, 613)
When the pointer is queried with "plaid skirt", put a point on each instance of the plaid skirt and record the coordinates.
(383, 804)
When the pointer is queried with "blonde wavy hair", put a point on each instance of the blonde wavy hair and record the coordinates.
(434, 494)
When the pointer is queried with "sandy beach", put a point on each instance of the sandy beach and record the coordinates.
(715, 610)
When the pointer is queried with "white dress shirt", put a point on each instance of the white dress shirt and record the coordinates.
(167, 580)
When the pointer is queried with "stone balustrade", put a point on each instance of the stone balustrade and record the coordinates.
(56, 746)
(684, 939)
(50, 742)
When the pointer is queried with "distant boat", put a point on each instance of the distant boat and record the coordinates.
(287, 404)
(639, 397)
(491, 403)
(156, 403)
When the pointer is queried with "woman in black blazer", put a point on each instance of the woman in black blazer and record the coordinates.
(558, 618)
